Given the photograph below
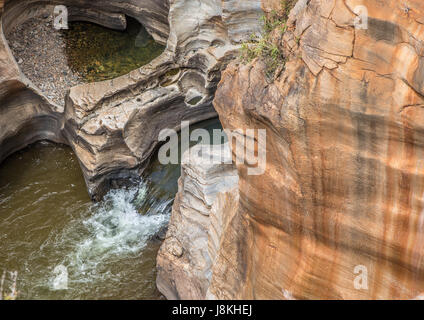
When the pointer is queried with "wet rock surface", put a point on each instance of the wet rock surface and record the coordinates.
(56, 60)
(188, 253)
(113, 125)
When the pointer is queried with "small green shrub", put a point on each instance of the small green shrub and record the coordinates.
(286, 6)
(262, 46)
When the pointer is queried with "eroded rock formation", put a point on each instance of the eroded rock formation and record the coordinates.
(344, 180)
(153, 14)
(344, 185)
(113, 126)
(197, 224)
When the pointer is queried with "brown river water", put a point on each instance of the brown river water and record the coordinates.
(64, 246)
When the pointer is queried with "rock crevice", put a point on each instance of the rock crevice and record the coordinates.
(197, 224)
(342, 193)
(343, 184)
(113, 125)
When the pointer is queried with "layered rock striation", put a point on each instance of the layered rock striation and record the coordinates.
(197, 224)
(113, 126)
(342, 195)
(338, 213)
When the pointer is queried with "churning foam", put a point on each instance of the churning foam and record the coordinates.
(114, 230)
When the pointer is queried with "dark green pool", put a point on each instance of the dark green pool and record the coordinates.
(97, 53)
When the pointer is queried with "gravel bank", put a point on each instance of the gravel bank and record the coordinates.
(40, 52)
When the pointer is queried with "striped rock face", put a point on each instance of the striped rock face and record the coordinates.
(339, 211)
(113, 126)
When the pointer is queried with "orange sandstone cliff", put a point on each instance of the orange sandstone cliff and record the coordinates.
(343, 190)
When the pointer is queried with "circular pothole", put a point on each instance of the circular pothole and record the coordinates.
(56, 60)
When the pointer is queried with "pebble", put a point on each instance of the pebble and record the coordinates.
(40, 51)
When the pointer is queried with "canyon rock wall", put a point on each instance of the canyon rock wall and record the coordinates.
(113, 126)
(339, 212)
(25, 115)
(344, 186)
(153, 14)
(186, 257)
